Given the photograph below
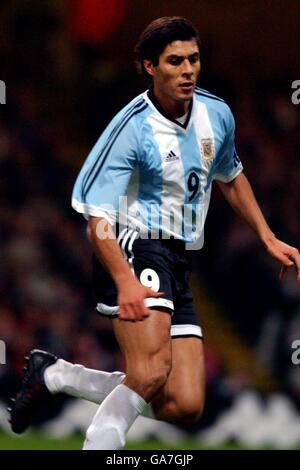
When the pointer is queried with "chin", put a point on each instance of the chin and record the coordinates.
(186, 96)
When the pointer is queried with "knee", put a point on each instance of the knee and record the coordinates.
(181, 412)
(148, 380)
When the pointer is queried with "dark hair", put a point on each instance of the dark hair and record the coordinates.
(159, 34)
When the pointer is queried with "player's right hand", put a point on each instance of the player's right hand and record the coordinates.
(131, 300)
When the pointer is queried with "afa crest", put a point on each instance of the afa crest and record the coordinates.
(207, 148)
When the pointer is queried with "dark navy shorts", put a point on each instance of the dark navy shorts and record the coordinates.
(161, 265)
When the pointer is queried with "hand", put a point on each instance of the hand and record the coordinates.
(131, 300)
(286, 254)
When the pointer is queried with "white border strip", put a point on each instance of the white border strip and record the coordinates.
(95, 211)
(149, 302)
(186, 330)
(107, 310)
(229, 178)
(159, 302)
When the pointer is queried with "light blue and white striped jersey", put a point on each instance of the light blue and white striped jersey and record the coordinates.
(153, 173)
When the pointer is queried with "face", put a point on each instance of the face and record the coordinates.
(175, 76)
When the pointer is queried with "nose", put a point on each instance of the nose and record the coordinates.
(187, 68)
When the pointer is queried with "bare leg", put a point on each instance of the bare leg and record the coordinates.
(147, 349)
(181, 399)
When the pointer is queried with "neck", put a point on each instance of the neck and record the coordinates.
(172, 107)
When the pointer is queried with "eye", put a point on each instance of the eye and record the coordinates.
(175, 60)
(194, 59)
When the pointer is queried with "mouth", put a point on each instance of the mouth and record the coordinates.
(186, 86)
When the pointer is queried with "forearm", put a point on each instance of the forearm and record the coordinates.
(107, 250)
(241, 198)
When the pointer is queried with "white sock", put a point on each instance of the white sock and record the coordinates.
(81, 382)
(113, 419)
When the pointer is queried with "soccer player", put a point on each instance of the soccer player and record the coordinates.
(161, 152)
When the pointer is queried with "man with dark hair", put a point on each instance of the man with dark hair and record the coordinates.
(158, 35)
(162, 153)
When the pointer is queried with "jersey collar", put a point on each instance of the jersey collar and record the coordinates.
(159, 108)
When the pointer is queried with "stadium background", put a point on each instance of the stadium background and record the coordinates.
(68, 67)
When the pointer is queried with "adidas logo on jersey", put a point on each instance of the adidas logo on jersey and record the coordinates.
(171, 157)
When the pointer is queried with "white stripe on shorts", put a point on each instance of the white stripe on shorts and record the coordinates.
(107, 309)
(149, 302)
(176, 330)
(159, 302)
(186, 330)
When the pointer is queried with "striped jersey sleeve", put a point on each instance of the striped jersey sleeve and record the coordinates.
(228, 164)
(106, 173)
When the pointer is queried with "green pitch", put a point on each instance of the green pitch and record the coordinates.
(38, 441)
(35, 441)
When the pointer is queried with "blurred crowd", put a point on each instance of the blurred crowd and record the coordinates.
(238, 272)
(61, 91)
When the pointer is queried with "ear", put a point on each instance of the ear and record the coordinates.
(148, 67)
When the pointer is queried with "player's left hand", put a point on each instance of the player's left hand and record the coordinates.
(288, 255)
